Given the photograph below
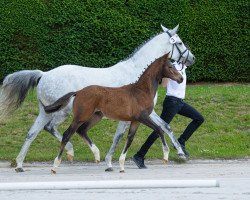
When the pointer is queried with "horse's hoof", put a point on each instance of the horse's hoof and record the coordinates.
(165, 161)
(53, 171)
(70, 158)
(122, 171)
(97, 161)
(19, 169)
(110, 169)
(182, 156)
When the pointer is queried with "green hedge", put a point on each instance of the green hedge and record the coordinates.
(43, 34)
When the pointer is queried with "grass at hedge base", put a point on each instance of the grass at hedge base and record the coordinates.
(224, 134)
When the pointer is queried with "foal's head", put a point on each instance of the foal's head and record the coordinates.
(169, 71)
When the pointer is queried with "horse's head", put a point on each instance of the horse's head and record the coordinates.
(169, 71)
(178, 50)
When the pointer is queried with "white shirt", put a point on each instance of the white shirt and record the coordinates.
(175, 89)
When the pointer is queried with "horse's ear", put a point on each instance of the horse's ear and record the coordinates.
(174, 30)
(164, 28)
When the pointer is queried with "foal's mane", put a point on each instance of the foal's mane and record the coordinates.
(153, 68)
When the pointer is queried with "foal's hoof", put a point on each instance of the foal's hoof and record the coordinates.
(110, 169)
(165, 161)
(122, 171)
(19, 169)
(53, 171)
(70, 158)
(97, 161)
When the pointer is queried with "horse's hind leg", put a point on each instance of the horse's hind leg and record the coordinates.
(82, 131)
(52, 126)
(38, 125)
(121, 128)
(132, 130)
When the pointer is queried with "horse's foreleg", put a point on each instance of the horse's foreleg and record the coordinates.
(66, 137)
(82, 131)
(38, 125)
(51, 127)
(132, 130)
(167, 129)
(121, 128)
(151, 124)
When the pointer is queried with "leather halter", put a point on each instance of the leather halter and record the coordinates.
(178, 49)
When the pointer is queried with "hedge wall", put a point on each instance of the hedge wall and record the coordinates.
(43, 34)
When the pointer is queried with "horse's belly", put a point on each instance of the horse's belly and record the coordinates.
(121, 113)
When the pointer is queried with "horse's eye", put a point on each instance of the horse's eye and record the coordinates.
(180, 43)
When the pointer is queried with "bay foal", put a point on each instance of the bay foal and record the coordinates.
(132, 103)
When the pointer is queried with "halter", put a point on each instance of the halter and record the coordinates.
(180, 53)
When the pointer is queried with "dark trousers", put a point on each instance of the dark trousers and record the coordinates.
(171, 107)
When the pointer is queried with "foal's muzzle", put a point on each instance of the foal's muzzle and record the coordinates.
(180, 80)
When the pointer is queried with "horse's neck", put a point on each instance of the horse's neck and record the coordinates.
(150, 51)
(143, 57)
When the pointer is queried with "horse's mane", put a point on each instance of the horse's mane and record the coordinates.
(139, 47)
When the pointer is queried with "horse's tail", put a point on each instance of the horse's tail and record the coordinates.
(15, 88)
(60, 103)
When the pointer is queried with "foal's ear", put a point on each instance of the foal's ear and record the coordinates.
(165, 57)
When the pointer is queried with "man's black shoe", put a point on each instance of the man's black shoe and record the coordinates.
(139, 161)
(182, 143)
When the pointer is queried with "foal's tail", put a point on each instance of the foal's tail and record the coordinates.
(60, 103)
(15, 88)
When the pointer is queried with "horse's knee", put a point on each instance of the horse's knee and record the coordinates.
(31, 136)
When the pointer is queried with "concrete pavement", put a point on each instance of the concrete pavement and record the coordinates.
(233, 175)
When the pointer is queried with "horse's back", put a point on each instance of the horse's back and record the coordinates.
(67, 78)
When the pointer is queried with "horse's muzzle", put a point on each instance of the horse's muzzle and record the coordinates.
(190, 61)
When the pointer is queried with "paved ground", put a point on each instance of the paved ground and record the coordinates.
(233, 175)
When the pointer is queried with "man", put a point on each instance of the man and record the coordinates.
(173, 104)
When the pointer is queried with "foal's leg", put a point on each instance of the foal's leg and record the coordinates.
(145, 119)
(52, 126)
(82, 131)
(132, 130)
(38, 125)
(66, 137)
(167, 129)
(121, 128)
